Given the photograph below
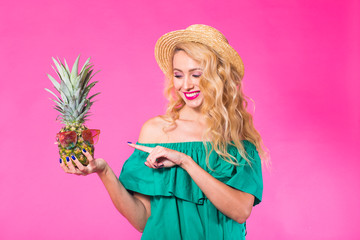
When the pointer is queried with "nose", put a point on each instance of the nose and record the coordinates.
(188, 83)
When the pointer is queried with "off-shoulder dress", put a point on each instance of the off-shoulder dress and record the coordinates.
(179, 209)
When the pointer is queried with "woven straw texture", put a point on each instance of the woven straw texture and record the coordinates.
(199, 33)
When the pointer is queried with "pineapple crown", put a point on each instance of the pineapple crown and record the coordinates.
(74, 87)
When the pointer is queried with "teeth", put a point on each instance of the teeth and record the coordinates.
(192, 94)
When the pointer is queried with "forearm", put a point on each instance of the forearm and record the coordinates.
(128, 205)
(231, 202)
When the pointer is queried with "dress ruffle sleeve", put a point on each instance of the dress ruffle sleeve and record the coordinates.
(248, 178)
(137, 177)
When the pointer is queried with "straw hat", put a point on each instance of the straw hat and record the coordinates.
(199, 33)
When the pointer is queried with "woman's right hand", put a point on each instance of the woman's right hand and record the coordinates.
(95, 165)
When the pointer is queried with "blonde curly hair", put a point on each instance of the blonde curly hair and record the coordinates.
(224, 106)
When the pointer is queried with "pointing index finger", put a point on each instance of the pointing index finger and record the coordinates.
(141, 147)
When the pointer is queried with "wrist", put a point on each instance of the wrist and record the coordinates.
(103, 171)
(186, 163)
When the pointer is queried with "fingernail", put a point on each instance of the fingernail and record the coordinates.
(60, 160)
(145, 164)
(67, 159)
(73, 157)
(84, 150)
(129, 142)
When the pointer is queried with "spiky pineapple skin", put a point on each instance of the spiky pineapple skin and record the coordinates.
(77, 150)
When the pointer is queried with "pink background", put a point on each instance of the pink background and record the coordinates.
(302, 70)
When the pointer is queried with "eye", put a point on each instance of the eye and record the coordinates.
(178, 76)
(197, 74)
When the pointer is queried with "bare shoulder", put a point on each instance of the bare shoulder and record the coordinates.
(153, 130)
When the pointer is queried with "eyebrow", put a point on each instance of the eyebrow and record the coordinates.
(191, 70)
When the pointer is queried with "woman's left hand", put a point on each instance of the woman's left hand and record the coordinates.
(162, 157)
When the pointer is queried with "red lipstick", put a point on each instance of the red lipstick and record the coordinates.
(191, 95)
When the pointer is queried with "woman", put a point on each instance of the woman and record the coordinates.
(196, 171)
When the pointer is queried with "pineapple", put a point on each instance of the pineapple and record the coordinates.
(73, 105)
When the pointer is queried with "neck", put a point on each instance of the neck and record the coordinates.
(192, 114)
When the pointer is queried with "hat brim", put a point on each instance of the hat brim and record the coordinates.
(165, 46)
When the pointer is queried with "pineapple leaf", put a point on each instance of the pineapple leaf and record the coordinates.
(94, 74)
(77, 94)
(77, 82)
(81, 105)
(87, 89)
(90, 77)
(86, 118)
(86, 79)
(74, 71)
(74, 88)
(54, 82)
(53, 94)
(94, 95)
(92, 102)
(87, 107)
(73, 104)
(84, 76)
(65, 72)
(67, 109)
(57, 72)
(66, 65)
(64, 98)
(61, 71)
(59, 68)
(65, 92)
(91, 85)
(66, 77)
(61, 118)
(56, 64)
(85, 65)
(59, 110)
(58, 103)
(64, 80)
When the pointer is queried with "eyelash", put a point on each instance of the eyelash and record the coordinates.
(195, 76)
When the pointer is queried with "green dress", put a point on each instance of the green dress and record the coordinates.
(179, 209)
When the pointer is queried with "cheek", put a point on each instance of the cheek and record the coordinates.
(177, 85)
(196, 82)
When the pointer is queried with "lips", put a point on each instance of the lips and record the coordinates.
(191, 95)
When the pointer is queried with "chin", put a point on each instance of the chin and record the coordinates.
(193, 103)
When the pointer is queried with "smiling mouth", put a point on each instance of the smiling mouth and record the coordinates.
(191, 95)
